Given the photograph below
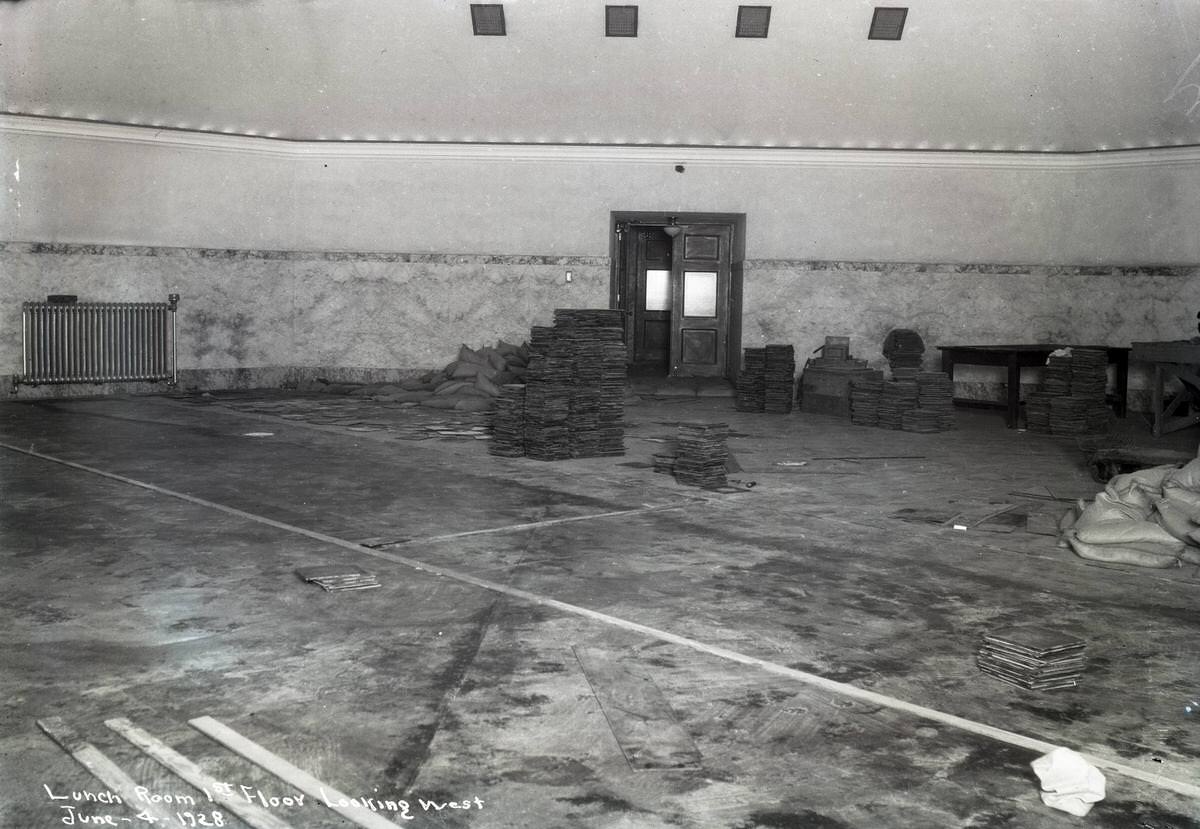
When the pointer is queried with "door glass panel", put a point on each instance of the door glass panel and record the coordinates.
(699, 294)
(658, 290)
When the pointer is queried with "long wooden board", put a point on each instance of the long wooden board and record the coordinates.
(103, 769)
(253, 816)
(292, 775)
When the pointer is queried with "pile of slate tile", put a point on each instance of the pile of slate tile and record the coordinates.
(917, 401)
(508, 422)
(702, 455)
(935, 399)
(751, 382)
(337, 577)
(865, 393)
(779, 378)
(548, 405)
(898, 397)
(1034, 658)
(905, 351)
(595, 339)
(574, 394)
(1070, 398)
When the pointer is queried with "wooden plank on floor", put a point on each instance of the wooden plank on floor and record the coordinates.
(292, 775)
(637, 712)
(253, 816)
(104, 770)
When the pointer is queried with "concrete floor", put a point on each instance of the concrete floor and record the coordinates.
(165, 590)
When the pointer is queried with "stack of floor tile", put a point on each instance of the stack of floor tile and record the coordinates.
(335, 577)
(575, 387)
(1070, 399)
(1056, 376)
(897, 398)
(542, 338)
(1035, 658)
(751, 387)
(702, 454)
(663, 463)
(1089, 381)
(548, 384)
(1089, 372)
(508, 422)
(779, 378)
(865, 393)
(1037, 411)
(924, 421)
(935, 395)
(1068, 415)
(904, 350)
(596, 342)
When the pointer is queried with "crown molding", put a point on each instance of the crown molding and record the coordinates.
(41, 126)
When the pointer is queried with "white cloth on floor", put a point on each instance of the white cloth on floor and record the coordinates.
(1069, 782)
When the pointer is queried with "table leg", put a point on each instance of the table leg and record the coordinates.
(1122, 382)
(1156, 400)
(1013, 411)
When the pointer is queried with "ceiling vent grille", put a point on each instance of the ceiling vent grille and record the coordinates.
(488, 19)
(620, 21)
(753, 21)
(887, 23)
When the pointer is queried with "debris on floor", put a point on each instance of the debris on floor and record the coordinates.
(1034, 658)
(989, 517)
(336, 577)
(1069, 782)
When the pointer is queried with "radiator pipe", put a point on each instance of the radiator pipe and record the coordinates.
(173, 305)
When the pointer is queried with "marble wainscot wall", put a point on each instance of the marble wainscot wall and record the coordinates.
(803, 301)
(261, 318)
(271, 318)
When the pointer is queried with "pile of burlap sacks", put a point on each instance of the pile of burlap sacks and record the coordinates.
(1149, 518)
(470, 383)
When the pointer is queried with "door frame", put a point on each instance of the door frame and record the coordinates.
(621, 219)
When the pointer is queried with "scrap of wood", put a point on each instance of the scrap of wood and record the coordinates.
(973, 518)
(102, 768)
(638, 714)
(1006, 522)
(872, 458)
(253, 816)
(285, 771)
(1039, 497)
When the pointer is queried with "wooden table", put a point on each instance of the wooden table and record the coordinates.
(1017, 357)
(1181, 360)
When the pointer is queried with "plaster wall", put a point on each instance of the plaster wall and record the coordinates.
(359, 257)
(122, 185)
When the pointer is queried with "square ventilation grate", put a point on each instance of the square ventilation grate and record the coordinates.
(887, 23)
(753, 21)
(487, 19)
(620, 21)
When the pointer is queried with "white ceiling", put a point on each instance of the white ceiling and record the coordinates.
(1000, 75)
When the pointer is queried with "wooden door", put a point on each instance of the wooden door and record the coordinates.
(648, 300)
(700, 306)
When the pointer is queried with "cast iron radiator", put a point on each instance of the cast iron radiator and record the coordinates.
(98, 342)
